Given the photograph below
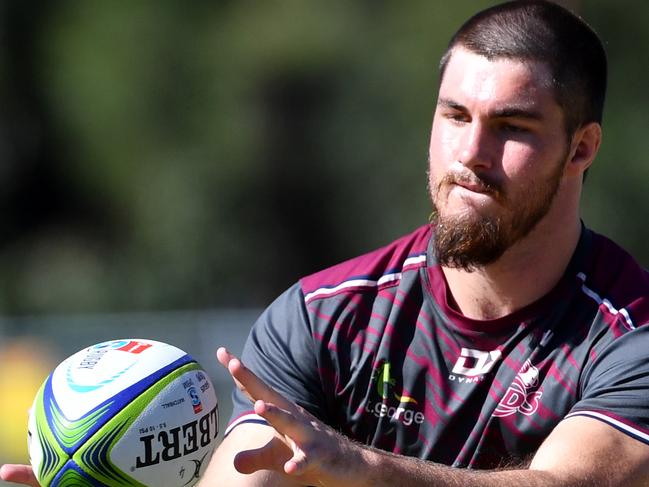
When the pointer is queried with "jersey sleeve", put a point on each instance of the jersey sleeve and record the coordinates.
(615, 385)
(281, 351)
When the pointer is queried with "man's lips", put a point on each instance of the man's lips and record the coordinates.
(474, 187)
(473, 184)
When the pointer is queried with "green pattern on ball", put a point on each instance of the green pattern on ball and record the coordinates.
(72, 478)
(93, 457)
(53, 455)
(70, 432)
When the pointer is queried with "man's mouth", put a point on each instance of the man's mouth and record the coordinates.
(473, 186)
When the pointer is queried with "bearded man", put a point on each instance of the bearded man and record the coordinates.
(504, 342)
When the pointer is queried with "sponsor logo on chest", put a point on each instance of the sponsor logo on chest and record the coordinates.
(472, 365)
(523, 395)
(396, 407)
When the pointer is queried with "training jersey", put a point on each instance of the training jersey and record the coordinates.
(374, 348)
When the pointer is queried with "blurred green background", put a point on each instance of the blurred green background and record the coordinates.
(174, 159)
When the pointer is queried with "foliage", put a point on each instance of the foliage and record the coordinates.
(163, 155)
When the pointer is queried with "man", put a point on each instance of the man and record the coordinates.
(502, 343)
(506, 337)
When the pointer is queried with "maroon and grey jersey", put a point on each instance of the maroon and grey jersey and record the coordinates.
(373, 348)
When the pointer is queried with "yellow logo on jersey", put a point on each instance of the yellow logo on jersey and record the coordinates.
(404, 412)
(384, 381)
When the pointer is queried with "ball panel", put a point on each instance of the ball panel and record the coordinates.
(125, 452)
(72, 431)
(74, 477)
(46, 455)
(172, 438)
(98, 373)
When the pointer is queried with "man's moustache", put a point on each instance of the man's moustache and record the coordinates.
(480, 184)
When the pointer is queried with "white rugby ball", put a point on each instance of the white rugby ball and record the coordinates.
(129, 412)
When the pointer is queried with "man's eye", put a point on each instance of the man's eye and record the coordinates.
(457, 117)
(513, 129)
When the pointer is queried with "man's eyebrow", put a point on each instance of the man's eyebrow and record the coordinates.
(448, 103)
(505, 112)
(517, 112)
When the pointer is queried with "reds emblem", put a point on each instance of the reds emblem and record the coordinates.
(519, 398)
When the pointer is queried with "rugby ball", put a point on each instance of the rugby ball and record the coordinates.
(129, 412)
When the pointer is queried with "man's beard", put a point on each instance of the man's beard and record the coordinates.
(471, 241)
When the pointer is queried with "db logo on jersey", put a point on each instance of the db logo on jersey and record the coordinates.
(472, 365)
(519, 398)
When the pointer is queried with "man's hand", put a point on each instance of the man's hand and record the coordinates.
(318, 454)
(20, 474)
(580, 452)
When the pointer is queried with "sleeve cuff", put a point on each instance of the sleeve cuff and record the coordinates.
(247, 417)
(620, 424)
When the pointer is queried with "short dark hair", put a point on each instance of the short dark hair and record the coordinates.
(542, 31)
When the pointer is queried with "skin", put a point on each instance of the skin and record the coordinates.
(497, 121)
(20, 474)
(482, 130)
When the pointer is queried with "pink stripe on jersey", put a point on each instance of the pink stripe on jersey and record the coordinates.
(377, 269)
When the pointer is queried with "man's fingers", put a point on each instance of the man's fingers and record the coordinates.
(294, 423)
(248, 382)
(20, 474)
(296, 465)
(300, 430)
(224, 356)
(271, 456)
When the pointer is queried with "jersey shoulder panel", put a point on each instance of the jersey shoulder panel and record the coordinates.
(617, 282)
(382, 267)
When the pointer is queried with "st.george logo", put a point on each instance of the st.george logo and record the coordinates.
(384, 382)
(404, 411)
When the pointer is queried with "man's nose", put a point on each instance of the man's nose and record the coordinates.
(475, 146)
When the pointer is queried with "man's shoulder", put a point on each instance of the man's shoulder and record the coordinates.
(617, 279)
(371, 270)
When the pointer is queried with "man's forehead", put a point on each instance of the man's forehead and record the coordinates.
(471, 77)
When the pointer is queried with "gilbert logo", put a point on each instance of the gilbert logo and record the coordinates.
(472, 365)
(196, 474)
(521, 396)
(169, 444)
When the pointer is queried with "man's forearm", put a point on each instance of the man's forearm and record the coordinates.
(386, 469)
(580, 452)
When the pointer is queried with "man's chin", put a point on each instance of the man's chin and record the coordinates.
(467, 216)
(476, 206)
(467, 240)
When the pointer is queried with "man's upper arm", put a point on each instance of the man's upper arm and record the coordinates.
(246, 436)
(606, 434)
(281, 351)
(595, 453)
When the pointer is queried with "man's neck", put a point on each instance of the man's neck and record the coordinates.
(525, 273)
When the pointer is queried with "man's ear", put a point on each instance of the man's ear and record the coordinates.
(585, 145)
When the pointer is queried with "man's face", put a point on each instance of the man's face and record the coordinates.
(497, 153)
